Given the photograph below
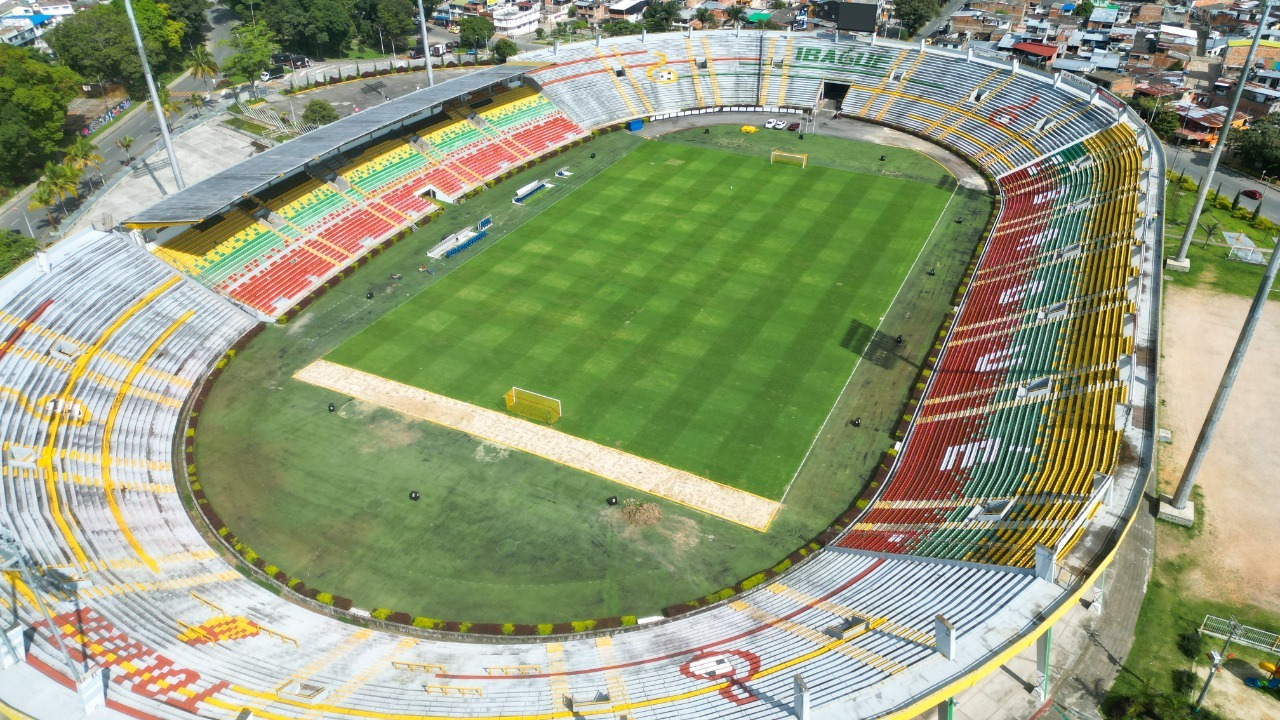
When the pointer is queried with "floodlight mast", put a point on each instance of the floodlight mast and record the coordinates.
(12, 557)
(1222, 138)
(1192, 470)
(155, 98)
(426, 49)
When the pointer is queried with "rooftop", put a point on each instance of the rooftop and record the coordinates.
(213, 195)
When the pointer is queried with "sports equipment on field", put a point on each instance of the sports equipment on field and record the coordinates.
(532, 405)
(778, 156)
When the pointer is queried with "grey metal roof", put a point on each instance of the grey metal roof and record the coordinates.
(214, 194)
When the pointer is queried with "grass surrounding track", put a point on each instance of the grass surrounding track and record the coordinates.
(689, 305)
(507, 537)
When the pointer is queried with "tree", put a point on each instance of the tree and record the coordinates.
(540, 34)
(43, 198)
(1165, 124)
(61, 181)
(1259, 146)
(319, 112)
(196, 101)
(735, 14)
(659, 16)
(616, 28)
(126, 144)
(396, 17)
(474, 32)
(1257, 213)
(33, 106)
(504, 49)
(318, 25)
(84, 154)
(98, 42)
(202, 65)
(15, 249)
(168, 105)
(706, 17)
(255, 44)
(914, 14)
(194, 18)
(1083, 9)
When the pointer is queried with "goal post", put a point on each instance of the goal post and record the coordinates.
(532, 405)
(779, 156)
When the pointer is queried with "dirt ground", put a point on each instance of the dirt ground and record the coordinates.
(1238, 555)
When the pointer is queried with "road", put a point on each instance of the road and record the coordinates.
(1195, 162)
(139, 124)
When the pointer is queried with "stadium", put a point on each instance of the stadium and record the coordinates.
(992, 503)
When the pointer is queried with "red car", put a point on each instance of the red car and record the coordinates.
(793, 126)
(1252, 194)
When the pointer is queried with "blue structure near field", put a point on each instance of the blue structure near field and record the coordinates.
(634, 125)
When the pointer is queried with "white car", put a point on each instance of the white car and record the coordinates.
(771, 123)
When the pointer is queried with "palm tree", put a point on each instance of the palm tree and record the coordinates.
(736, 14)
(82, 154)
(58, 180)
(197, 101)
(126, 143)
(43, 197)
(706, 17)
(203, 66)
(169, 106)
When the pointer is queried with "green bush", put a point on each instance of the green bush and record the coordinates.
(628, 620)
(753, 581)
(508, 629)
(583, 625)
(425, 623)
(324, 599)
(378, 613)
(222, 531)
(782, 566)
(464, 626)
(249, 556)
(295, 582)
(271, 570)
(195, 486)
(545, 628)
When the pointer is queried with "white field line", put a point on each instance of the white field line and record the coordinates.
(699, 493)
(857, 364)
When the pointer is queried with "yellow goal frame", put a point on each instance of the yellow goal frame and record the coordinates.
(532, 405)
(801, 159)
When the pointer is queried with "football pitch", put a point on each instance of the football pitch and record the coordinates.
(692, 306)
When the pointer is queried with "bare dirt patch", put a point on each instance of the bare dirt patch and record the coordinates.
(1236, 553)
(641, 514)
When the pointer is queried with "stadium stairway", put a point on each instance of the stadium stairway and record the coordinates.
(106, 344)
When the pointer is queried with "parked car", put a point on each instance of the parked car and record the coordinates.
(769, 123)
(299, 61)
(281, 59)
(1252, 194)
(451, 44)
(415, 52)
(276, 71)
(793, 126)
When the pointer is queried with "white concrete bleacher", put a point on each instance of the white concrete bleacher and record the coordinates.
(987, 108)
(141, 337)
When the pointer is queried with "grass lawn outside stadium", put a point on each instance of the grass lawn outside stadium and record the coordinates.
(687, 301)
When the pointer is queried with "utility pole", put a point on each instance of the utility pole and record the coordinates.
(155, 97)
(1181, 259)
(1217, 662)
(1188, 480)
(426, 49)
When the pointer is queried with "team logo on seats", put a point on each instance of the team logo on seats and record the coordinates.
(734, 666)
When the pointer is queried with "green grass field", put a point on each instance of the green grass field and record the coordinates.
(688, 305)
(506, 537)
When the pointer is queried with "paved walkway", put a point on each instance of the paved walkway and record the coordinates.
(699, 493)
